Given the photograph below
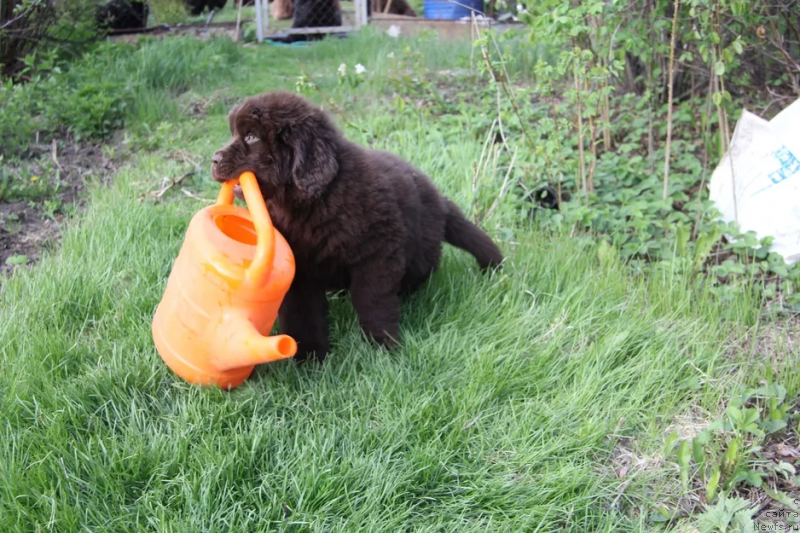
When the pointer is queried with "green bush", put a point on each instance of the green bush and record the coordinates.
(41, 26)
(110, 86)
(168, 11)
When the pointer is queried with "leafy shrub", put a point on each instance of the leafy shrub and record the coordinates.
(29, 26)
(616, 184)
(169, 11)
(112, 85)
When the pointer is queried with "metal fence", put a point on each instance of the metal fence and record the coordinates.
(300, 19)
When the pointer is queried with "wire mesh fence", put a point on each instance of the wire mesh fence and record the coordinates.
(302, 19)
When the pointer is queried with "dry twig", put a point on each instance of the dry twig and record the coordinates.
(502, 188)
(54, 154)
(473, 421)
(669, 98)
(238, 21)
(168, 183)
(193, 196)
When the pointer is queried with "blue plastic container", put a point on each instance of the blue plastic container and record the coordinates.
(447, 10)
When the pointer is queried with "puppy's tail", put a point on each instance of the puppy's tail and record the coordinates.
(462, 233)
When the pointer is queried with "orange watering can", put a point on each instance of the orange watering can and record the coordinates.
(222, 297)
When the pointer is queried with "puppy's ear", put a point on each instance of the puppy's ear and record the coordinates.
(313, 143)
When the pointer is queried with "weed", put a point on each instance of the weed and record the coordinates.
(112, 85)
(728, 455)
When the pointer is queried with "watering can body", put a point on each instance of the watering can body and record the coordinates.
(222, 296)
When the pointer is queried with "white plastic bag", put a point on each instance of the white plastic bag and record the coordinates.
(757, 183)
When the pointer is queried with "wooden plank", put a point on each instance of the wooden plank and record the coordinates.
(446, 29)
(320, 29)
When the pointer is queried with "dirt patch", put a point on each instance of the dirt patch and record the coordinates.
(774, 342)
(30, 220)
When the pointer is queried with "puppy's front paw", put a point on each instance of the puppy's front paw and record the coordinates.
(310, 352)
(389, 341)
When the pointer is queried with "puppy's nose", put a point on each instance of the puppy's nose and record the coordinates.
(216, 159)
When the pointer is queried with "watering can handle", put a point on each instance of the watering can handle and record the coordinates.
(261, 265)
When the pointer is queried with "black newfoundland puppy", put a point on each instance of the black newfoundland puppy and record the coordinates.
(359, 220)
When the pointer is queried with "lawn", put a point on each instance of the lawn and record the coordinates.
(537, 398)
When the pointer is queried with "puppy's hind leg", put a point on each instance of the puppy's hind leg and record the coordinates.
(374, 292)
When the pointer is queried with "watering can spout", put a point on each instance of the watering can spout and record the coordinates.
(239, 345)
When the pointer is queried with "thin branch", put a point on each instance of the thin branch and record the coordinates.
(18, 17)
(593, 148)
(669, 97)
(500, 122)
(706, 133)
(502, 78)
(789, 60)
(193, 196)
(214, 12)
(54, 154)
(581, 154)
(489, 136)
(169, 183)
(502, 194)
(238, 20)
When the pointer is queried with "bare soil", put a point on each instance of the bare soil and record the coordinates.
(26, 226)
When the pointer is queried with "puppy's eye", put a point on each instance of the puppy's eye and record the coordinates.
(250, 138)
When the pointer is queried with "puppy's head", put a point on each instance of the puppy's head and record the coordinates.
(290, 145)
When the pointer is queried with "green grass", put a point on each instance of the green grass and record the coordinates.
(500, 411)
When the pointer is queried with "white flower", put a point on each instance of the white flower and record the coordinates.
(342, 69)
(390, 55)
(393, 31)
(360, 69)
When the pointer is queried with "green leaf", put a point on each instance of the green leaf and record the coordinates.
(660, 515)
(731, 456)
(750, 415)
(684, 454)
(782, 498)
(698, 451)
(719, 68)
(716, 425)
(607, 255)
(703, 246)
(692, 383)
(754, 479)
(672, 439)
(773, 426)
(682, 237)
(717, 98)
(712, 486)
(734, 414)
(741, 475)
(785, 469)
(725, 513)
(17, 260)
